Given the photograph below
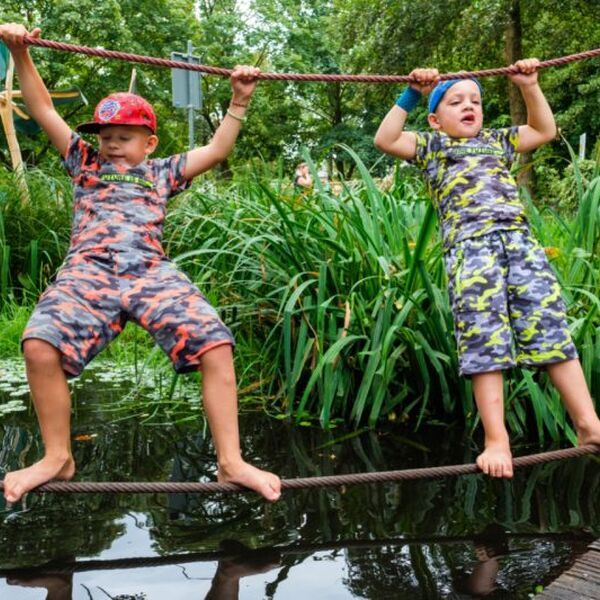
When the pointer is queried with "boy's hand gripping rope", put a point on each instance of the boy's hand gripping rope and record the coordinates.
(174, 64)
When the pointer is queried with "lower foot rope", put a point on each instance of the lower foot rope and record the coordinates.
(303, 482)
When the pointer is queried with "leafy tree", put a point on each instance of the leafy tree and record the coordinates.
(330, 36)
(399, 36)
(119, 25)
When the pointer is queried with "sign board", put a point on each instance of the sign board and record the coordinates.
(187, 92)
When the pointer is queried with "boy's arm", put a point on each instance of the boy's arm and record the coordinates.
(34, 92)
(199, 160)
(391, 137)
(540, 127)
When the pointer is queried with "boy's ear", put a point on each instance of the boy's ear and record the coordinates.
(151, 144)
(433, 121)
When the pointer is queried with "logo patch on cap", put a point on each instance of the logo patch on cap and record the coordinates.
(108, 109)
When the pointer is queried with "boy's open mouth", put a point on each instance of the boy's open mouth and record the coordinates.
(468, 119)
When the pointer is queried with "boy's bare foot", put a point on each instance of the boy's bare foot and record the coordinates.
(268, 485)
(589, 433)
(496, 460)
(22, 481)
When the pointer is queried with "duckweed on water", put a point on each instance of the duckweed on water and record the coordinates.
(12, 406)
(146, 392)
(13, 386)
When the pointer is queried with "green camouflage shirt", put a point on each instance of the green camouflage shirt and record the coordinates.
(470, 183)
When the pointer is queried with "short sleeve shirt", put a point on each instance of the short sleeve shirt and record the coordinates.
(120, 209)
(470, 183)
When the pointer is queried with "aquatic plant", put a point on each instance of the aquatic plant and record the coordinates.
(337, 298)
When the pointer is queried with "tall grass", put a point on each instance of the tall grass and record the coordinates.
(34, 235)
(339, 300)
(347, 295)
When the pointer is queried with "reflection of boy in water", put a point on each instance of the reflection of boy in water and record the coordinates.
(490, 546)
(241, 562)
(59, 587)
(226, 582)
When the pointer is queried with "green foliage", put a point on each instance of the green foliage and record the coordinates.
(327, 36)
(341, 295)
(33, 236)
(561, 191)
(157, 29)
(349, 293)
(338, 300)
(397, 37)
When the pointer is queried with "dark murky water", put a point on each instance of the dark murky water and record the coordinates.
(465, 537)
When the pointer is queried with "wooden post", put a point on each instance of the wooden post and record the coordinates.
(6, 113)
(133, 82)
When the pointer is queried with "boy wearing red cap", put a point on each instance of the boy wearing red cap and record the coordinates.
(505, 299)
(116, 271)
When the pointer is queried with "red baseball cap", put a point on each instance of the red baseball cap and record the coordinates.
(121, 109)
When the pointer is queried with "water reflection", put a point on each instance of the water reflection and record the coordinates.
(59, 587)
(466, 537)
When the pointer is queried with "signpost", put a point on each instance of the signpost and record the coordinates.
(187, 91)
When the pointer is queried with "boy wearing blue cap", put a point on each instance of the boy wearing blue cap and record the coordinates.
(505, 299)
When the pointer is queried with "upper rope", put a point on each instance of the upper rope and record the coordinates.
(209, 70)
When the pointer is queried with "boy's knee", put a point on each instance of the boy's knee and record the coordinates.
(40, 354)
(218, 363)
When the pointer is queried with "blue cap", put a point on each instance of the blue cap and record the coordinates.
(441, 88)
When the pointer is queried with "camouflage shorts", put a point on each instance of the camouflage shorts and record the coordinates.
(95, 295)
(506, 303)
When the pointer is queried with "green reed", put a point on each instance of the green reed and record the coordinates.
(338, 299)
(346, 296)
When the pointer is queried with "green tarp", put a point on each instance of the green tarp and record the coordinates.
(4, 54)
(30, 127)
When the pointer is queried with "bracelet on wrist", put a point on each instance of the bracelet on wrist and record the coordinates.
(408, 99)
(234, 103)
(236, 117)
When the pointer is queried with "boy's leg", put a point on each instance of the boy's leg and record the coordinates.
(52, 402)
(220, 403)
(172, 309)
(542, 332)
(496, 459)
(569, 380)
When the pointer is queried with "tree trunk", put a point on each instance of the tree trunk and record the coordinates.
(513, 51)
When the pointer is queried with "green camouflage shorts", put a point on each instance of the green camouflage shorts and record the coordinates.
(506, 302)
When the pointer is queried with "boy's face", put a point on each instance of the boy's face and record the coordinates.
(126, 145)
(459, 113)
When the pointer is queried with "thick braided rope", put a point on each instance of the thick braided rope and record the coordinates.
(174, 64)
(304, 482)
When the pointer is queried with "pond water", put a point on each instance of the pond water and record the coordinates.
(465, 537)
